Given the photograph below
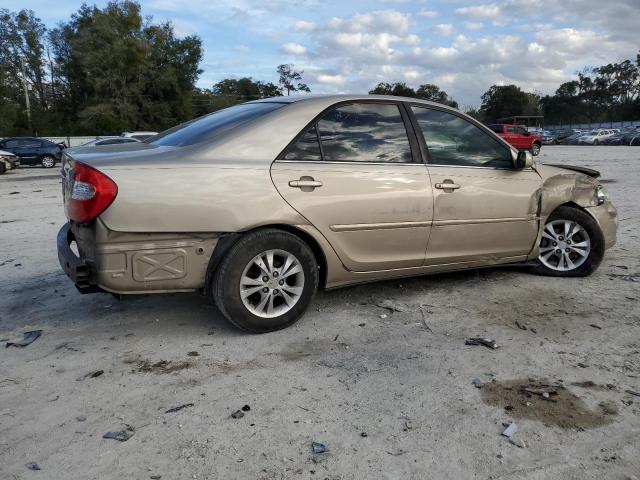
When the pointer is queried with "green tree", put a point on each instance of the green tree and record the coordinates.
(120, 72)
(290, 80)
(398, 89)
(507, 100)
(433, 93)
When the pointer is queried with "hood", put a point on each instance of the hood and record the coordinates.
(587, 171)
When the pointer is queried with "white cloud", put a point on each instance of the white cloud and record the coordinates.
(489, 11)
(331, 79)
(444, 29)
(428, 13)
(293, 49)
(303, 26)
(474, 25)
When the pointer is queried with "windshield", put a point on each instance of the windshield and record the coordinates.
(205, 128)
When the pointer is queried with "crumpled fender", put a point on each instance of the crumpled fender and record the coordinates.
(560, 186)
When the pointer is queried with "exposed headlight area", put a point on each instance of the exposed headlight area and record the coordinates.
(601, 195)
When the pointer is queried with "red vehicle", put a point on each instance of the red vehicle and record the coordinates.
(519, 137)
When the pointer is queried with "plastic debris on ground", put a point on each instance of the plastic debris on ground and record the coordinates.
(511, 429)
(179, 407)
(28, 339)
(486, 341)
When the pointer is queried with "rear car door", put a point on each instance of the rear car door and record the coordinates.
(357, 176)
(517, 137)
(29, 150)
(484, 209)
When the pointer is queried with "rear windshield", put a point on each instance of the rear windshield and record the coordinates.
(205, 128)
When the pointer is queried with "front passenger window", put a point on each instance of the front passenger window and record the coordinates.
(452, 140)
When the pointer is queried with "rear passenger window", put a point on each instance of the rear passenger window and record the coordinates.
(306, 148)
(365, 132)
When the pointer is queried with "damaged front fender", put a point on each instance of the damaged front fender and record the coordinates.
(562, 186)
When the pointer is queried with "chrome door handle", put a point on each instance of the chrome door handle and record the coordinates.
(305, 183)
(447, 186)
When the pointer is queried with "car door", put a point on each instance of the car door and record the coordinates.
(29, 149)
(484, 209)
(357, 176)
(516, 137)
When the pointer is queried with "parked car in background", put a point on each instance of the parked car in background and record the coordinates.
(548, 137)
(519, 137)
(635, 141)
(571, 139)
(620, 138)
(138, 135)
(33, 151)
(596, 137)
(109, 141)
(261, 204)
(8, 161)
(103, 142)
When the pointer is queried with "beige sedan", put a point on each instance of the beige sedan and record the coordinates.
(263, 203)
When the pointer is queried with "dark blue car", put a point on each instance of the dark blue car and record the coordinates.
(33, 151)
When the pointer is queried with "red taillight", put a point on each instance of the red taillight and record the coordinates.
(90, 193)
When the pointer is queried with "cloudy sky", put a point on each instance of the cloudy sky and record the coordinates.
(463, 46)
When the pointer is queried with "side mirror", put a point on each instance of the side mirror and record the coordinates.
(524, 160)
(527, 134)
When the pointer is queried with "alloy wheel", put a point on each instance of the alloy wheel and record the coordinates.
(565, 245)
(272, 283)
(48, 162)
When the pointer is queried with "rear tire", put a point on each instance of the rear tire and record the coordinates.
(266, 281)
(48, 161)
(583, 245)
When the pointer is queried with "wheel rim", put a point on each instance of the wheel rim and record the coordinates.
(47, 162)
(536, 149)
(272, 283)
(565, 245)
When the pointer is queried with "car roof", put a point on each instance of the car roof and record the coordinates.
(330, 99)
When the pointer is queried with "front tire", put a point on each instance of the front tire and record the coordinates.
(572, 244)
(48, 161)
(535, 149)
(266, 281)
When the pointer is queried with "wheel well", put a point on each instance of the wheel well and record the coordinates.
(227, 241)
(313, 245)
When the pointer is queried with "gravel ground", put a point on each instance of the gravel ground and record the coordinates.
(389, 393)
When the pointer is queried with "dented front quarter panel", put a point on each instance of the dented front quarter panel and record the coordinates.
(560, 187)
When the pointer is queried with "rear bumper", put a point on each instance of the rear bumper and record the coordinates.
(75, 268)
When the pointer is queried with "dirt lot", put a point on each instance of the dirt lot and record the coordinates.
(389, 393)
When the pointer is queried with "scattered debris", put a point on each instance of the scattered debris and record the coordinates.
(237, 414)
(92, 374)
(163, 366)
(521, 326)
(336, 337)
(633, 392)
(486, 341)
(362, 324)
(33, 466)
(595, 326)
(14, 193)
(545, 391)
(179, 407)
(81, 418)
(384, 315)
(363, 434)
(121, 436)
(477, 383)
(246, 408)
(517, 442)
(319, 452)
(511, 429)
(393, 306)
(155, 477)
(609, 407)
(583, 365)
(28, 338)
(398, 452)
(193, 354)
(633, 277)
(565, 409)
